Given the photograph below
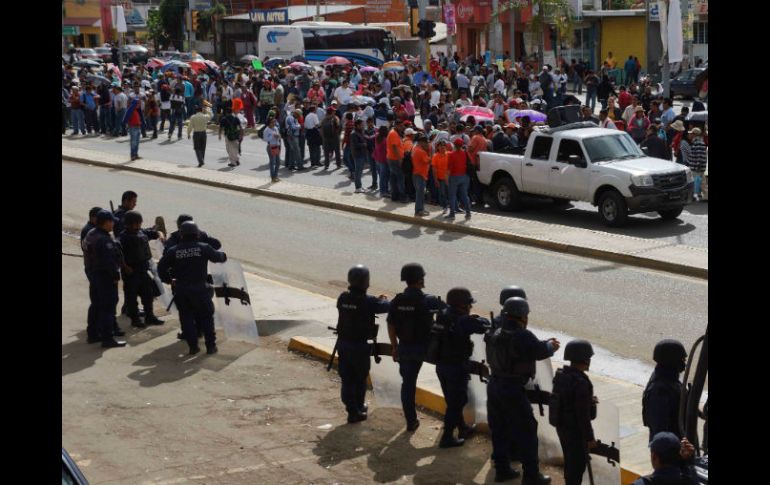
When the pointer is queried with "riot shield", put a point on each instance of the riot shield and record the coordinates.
(233, 312)
(607, 431)
(165, 291)
(549, 448)
(476, 409)
(385, 376)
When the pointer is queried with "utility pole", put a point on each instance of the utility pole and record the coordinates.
(317, 10)
(512, 20)
(496, 42)
(189, 28)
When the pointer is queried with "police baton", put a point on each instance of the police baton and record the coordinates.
(334, 351)
(112, 207)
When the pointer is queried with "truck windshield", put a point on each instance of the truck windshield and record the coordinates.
(608, 148)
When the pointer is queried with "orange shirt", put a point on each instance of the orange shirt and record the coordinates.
(478, 144)
(441, 166)
(420, 162)
(394, 139)
(407, 144)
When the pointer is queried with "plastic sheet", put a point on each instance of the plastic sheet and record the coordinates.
(233, 315)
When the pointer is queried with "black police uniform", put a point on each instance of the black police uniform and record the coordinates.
(411, 313)
(355, 326)
(511, 355)
(119, 214)
(575, 411)
(187, 263)
(660, 401)
(670, 475)
(85, 230)
(453, 334)
(102, 262)
(175, 238)
(93, 330)
(137, 255)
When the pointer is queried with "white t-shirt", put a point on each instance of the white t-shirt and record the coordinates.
(342, 95)
(435, 97)
(500, 86)
(311, 121)
(463, 102)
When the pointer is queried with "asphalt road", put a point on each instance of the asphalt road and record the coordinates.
(626, 310)
(690, 229)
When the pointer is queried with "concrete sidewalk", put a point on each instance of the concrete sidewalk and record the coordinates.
(626, 250)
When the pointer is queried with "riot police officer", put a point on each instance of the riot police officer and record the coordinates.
(660, 401)
(102, 261)
(508, 292)
(174, 237)
(127, 202)
(355, 326)
(185, 267)
(136, 282)
(511, 353)
(409, 322)
(670, 459)
(572, 407)
(451, 348)
(91, 222)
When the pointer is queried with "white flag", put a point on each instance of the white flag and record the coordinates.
(662, 19)
(120, 20)
(675, 37)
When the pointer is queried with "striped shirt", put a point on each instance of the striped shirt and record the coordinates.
(698, 155)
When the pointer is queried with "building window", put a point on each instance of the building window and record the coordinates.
(700, 32)
(93, 40)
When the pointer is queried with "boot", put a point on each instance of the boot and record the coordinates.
(356, 417)
(194, 349)
(211, 349)
(506, 474)
(449, 441)
(413, 425)
(112, 343)
(466, 431)
(538, 479)
(137, 322)
(151, 319)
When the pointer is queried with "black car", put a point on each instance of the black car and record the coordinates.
(70, 473)
(684, 84)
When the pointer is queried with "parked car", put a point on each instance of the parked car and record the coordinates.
(187, 57)
(684, 84)
(70, 473)
(104, 53)
(579, 161)
(135, 54)
(86, 53)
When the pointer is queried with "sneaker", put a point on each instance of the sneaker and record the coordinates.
(422, 213)
(112, 343)
(230, 165)
(359, 191)
(450, 217)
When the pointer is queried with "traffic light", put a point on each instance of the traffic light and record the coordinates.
(195, 20)
(427, 29)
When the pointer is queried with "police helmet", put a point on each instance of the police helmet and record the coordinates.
(189, 228)
(358, 277)
(182, 218)
(510, 291)
(459, 296)
(412, 272)
(670, 353)
(132, 217)
(515, 307)
(578, 351)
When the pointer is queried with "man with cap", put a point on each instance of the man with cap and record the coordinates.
(175, 237)
(511, 353)
(501, 142)
(660, 400)
(102, 261)
(654, 146)
(669, 457)
(450, 349)
(409, 322)
(572, 407)
(355, 326)
(136, 281)
(185, 267)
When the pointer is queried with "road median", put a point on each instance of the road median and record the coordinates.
(625, 250)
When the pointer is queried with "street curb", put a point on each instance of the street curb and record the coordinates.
(627, 259)
(424, 398)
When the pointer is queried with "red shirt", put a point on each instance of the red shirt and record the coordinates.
(456, 163)
(625, 99)
(134, 119)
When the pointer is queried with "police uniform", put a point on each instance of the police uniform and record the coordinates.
(355, 326)
(137, 255)
(455, 349)
(175, 238)
(411, 313)
(673, 470)
(102, 263)
(576, 410)
(187, 264)
(92, 326)
(119, 226)
(660, 400)
(511, 354)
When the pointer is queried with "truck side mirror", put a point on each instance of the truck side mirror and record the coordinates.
(577, 161)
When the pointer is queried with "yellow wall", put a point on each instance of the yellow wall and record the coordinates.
(89, 9)
(624, 36)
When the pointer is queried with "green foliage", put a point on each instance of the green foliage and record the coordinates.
(155, 29)
(206, 19)
(171, 18)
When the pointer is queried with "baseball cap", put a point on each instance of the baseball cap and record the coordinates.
(458, 142)
(409, 131)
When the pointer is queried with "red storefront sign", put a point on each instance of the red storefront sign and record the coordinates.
(467, 12)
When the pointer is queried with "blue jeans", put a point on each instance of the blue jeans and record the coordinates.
(409, 370)
(384, 172)
(118, 127)
(274, 161)
(459, 183)
(359, 170)
(591, 98)
(292, 152)
(577, 84)
(373, 169)
(347, 158)
(397, 185)
(443, 193)
(105, 119)
(419, 193)
(135, 132)
(78, 121)
(177, 119)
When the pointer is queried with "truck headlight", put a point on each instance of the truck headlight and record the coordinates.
(642, 180)
(688, 174)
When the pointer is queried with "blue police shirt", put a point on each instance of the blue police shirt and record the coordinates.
(187, 262)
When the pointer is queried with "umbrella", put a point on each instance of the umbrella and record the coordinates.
(392, 66)
(336, 61)
(410, 59)
(403, 87)
(115, 70)
(248, 58)
(154, 62)
(420, 76)
(198, 66)
(300, 65)
(175, 66)
(274, 62)
(299, 58)
(97, 79)
(477, 112)
(87, 63)
(369, 69)
(358, 100)
(534, 116)
(211, 64)
(698, 116)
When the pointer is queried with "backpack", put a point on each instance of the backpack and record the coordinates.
(233, 131)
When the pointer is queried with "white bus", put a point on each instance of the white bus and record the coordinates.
(317, 41)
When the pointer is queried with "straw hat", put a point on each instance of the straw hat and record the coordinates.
(678, 125)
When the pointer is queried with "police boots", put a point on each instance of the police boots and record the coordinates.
(356, 417)
(538, 479)
(449, 441)
(137, 322)
(506, 474)
(151, 319)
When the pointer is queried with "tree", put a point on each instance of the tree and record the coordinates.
(551, 12)
(171, 15)
(207, 18)
(155, 30)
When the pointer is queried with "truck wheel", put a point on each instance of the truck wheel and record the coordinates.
(613, 209)
(670, 214)
(506, 195)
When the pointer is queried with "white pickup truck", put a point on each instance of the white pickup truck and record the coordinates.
(597, 165)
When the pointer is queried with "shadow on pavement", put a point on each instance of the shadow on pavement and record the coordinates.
(412, 232)
(79, 355)
(272, 327)
(698, 208)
